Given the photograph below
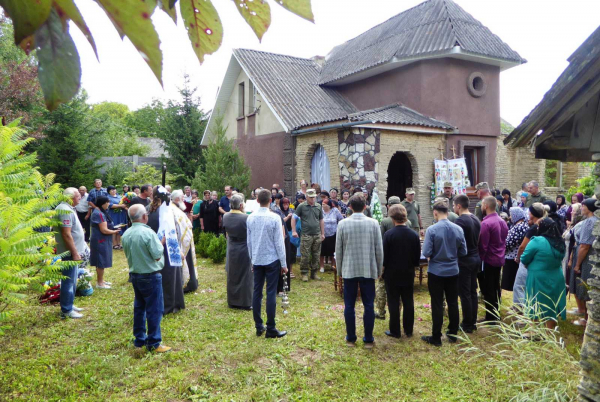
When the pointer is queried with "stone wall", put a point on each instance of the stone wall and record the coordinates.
(516, 166)
(573, 171)
(421, 150)
(358, 148)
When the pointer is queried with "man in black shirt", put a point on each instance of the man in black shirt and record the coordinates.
(145, 196)
(468, 265)
(401, 254)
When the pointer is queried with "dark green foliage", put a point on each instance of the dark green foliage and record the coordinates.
(217, 249)
(585, 185)
(224, 164)
(71, 143)
(203, 243)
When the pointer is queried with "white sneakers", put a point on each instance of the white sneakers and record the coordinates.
(105, 286)
(72, 314)
(77, 309)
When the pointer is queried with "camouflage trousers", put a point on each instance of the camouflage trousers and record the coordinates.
(380, 298)
(310, 250)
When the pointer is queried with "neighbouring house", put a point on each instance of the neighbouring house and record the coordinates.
(155, 153)
(379, 108)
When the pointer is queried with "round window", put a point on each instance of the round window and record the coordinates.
(476, 85)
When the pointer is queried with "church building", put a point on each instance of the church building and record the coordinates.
(379, 109)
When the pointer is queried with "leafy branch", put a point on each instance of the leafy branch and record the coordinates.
(43, 25)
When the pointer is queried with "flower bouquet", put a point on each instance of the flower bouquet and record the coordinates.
(127, 198)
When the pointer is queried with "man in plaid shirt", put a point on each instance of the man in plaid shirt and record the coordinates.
(359, 255)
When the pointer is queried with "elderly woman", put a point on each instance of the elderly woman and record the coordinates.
(515, 237)
(101, 240)
(333, 194)
(523, 202)
(575, 199)
(118, 215)
(240, 282)
(209, 214)
(561, 205)
(545, 283)
(569, 236)
(331, 217)
(162, 220)
(580, 259)
(186, 241)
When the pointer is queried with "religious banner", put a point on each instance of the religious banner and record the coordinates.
(452, 170)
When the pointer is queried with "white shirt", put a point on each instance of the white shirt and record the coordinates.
(265, 238)
(83, 205)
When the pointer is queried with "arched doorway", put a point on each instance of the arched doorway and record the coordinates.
(400, 176)
(319, 168)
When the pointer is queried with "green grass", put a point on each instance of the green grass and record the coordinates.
(217, 356)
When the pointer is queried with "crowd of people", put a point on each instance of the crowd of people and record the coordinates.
(533, 246)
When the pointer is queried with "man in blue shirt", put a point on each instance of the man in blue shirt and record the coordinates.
(97, 191)
(444, 243)
(224, 206)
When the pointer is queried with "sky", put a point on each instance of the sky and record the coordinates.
(545, 32)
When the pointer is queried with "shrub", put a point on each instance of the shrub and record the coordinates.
(203, 243)
(217, 249)
(27, 199)
(146, 174)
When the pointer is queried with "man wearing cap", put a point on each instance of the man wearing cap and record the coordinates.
(313, 233)
(414, 211)
(448, 192)
(380, 295)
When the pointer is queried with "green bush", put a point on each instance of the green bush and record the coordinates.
(585, 185)
(203, 243)
(217, 249)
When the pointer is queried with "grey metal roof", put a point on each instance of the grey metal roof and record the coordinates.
(398, 114)
(290, 85)
(430, 28)
(156, 146)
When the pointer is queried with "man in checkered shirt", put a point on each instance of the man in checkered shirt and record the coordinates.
(359, 255)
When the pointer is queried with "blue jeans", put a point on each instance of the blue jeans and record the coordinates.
(147, 306)
(271, 273)
(68, 287)
(367, 294)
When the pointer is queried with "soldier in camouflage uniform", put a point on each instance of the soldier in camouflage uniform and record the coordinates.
(483, 190)
(380, 295)
(448, 193)
(313, 233)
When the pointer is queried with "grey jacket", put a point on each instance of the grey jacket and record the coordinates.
(359, 248)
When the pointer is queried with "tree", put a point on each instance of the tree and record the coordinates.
(42, 25)
(224, 165)
(182, 132)
(149, 120)
(20, 93)
(71, 143)
(146, 174)
(26, 202)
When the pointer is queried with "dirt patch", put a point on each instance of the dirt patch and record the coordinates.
(305, 357)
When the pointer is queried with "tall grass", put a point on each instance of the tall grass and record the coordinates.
(527, 360)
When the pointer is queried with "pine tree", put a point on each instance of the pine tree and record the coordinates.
(224, 165)
(184, 124)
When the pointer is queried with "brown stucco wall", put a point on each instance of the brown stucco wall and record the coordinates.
(264, 155)
(436, 88)
(488, 144)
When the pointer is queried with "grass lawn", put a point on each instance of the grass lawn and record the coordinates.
(217, 356)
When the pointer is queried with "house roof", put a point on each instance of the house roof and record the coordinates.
(576, 85)
(432, 28)
(290, 86)
(398, 114)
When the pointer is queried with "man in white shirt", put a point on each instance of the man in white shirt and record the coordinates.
(82, 210)
(267, 253)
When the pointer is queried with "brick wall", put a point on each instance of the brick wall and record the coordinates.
(422, 150)
(305, 149)
(516, 166)
(574, 171)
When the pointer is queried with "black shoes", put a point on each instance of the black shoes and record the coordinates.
(388, 333)
(379, 316)
(260, 331)
(430, 340)
(275, 334)
(451, 337)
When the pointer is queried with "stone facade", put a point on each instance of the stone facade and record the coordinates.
(573, 171)
(357, 157)
(517, 166)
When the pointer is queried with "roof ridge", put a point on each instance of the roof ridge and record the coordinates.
(374, 110)
(274, 54)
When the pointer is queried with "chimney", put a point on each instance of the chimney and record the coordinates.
(319, 60)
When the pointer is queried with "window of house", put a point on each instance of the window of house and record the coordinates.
(474, 159)
(241, 99)
(251, 97)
